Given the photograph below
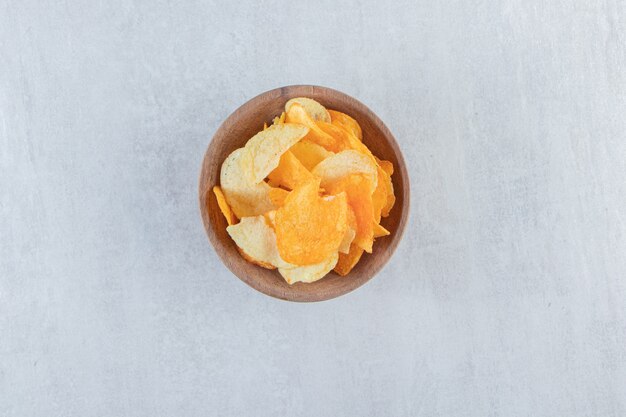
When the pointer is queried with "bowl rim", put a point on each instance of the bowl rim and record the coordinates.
(402, 170)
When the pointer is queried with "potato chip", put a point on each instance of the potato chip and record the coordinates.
(250, 259)
(310, 228)
(309, 273)
(391, 198)
(343, 120)
(357, 188)
(257, 240)
(379, 196)
(348, 238)
(298, 115)
(380, 231)
(309, 153)
(386, 166)
(343, 139)
(290, 172)
(385, 177)
(350, 232)
(314, 109)
(277, 196)
(224, 207)
(278, 120)
(347, 261)
(266, 147)
(270, 217)
(244, 197)
(343, 164)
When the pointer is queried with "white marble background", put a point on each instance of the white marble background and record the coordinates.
(507, 296)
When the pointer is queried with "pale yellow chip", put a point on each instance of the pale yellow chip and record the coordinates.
(342, 164)
(266, 147)
(312, 107)
(309, 153)
(309, 273)
(257, 240)
(344, 247)
(245, 197)
(298, 115)
(254, 261)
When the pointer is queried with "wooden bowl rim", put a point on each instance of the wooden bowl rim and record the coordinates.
(355, 281)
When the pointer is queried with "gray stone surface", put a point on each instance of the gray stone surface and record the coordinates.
(507, 296)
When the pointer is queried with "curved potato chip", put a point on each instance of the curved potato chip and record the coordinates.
(245, 197)
(344, 247)
(309, 153)
(290, 172)
(348, 238)
(314, 109)
(254, 261)
(390, 199)
(386, 166)
(310, 228)
(270, 216)
(342, 164)
(277, 196)
(309, 273)
(379, 196)
(343, 139)
(224, 207)
(341, 119)
(278, 120)
(266, 147)
(347, 261)
(297, 114)
(357, 188)
(380, 231)
(257, 240)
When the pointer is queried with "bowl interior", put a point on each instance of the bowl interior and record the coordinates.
(245, 122)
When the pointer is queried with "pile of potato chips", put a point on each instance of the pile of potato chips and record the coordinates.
(305, 195)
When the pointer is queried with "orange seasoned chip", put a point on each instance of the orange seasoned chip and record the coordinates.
(342, 140)
(358, 190)
(380, 231)
(310, 228)
(391, 198)
(296, 114)
(277, 196)
(347, 261)
(379, 196)
(343, 120)
(385, 172)
(224, 207)
(309, 153)
(386, 166)
(290, 172)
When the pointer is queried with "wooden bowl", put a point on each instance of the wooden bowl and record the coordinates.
(246, 121)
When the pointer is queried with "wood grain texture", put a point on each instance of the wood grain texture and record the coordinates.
(235, 132)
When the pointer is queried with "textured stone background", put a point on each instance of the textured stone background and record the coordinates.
(507, 296)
